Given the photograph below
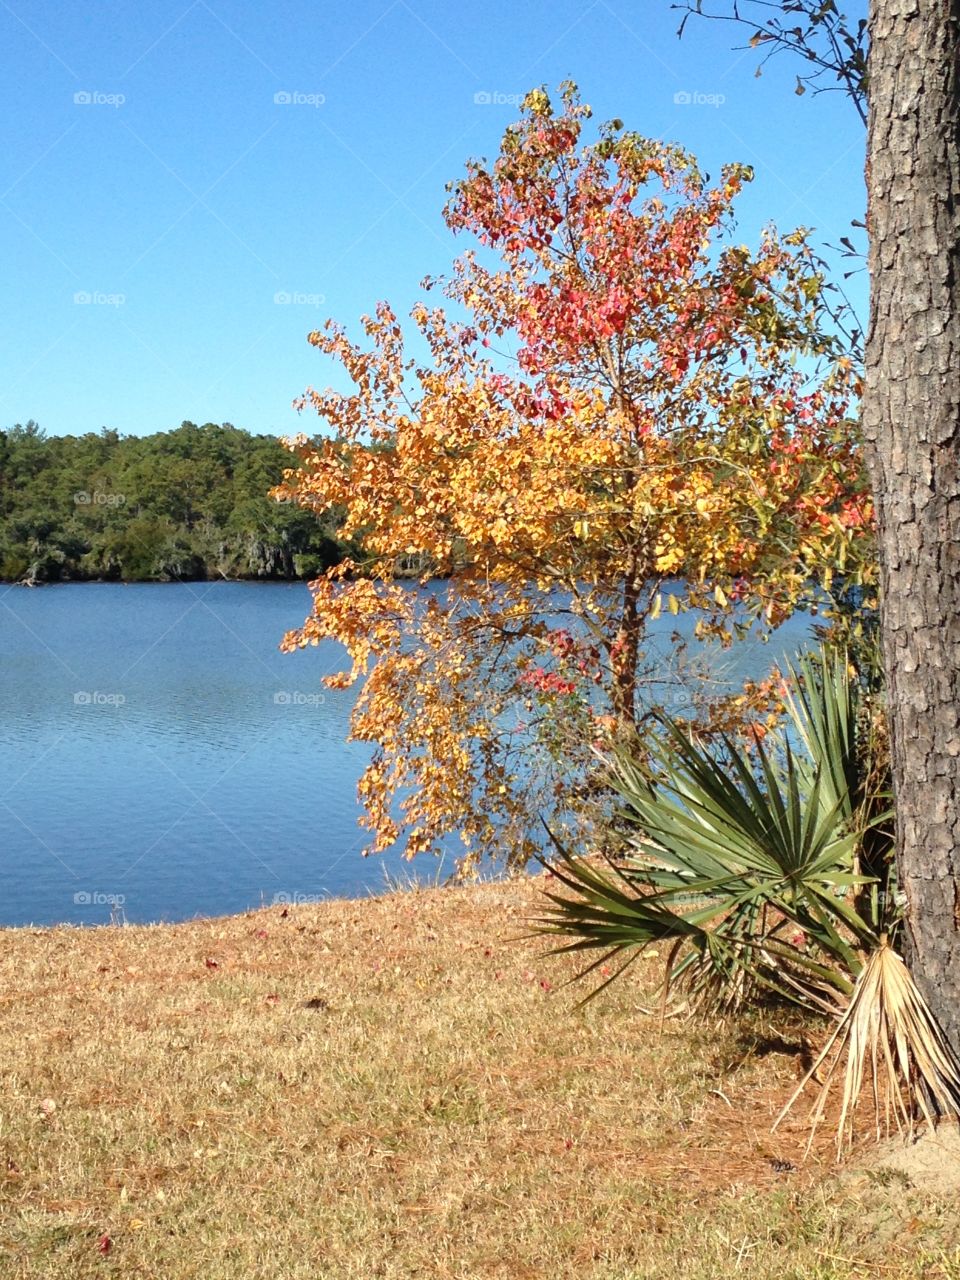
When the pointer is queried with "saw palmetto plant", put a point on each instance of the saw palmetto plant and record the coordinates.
(765, 867)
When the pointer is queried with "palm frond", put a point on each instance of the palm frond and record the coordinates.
(768, 868)
(888, 1035)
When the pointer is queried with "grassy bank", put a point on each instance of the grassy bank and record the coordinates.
(393, 1088)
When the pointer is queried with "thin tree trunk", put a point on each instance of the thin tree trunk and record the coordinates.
(625, 655)
(912, 428)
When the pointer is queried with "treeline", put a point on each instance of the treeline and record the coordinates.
(185, 504)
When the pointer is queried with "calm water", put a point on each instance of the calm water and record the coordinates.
(155, 747)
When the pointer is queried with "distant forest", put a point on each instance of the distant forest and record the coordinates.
(185, 504)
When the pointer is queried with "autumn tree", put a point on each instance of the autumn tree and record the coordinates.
(616, 396)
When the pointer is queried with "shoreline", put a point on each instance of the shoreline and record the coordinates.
(167, 582)
(287, 909)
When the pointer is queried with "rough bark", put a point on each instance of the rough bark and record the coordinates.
(912, 429)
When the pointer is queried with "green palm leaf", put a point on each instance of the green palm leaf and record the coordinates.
(751, 864)
(744, 857)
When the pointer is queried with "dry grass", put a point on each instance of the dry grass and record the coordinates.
(394, 1088)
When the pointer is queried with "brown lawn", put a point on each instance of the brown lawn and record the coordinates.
(397, 1087)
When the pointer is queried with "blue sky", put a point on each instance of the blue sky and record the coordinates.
(172, 171)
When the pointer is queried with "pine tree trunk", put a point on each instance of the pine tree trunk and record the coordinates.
(911, 416)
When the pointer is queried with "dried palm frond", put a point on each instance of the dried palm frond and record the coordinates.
(888, 1035)
(768, 869)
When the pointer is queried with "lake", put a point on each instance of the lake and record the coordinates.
(161, 759)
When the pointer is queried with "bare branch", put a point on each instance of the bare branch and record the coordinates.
(834, 45)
